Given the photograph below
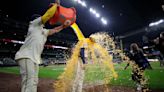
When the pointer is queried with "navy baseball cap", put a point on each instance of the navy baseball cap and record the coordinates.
(34, 16)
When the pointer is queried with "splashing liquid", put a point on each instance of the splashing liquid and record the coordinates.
(98, 70)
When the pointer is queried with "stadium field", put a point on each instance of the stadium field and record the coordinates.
(155, 76)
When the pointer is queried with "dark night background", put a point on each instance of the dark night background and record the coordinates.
(128, 18)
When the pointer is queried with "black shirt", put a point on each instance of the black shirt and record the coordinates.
(138, 57)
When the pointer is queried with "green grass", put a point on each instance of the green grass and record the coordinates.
(12, 70)
(155, 76)
(51, 72)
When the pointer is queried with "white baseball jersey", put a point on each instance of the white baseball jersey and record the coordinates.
(34, 42)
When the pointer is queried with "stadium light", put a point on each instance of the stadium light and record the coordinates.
(83, 4)
(103, 6)
(75, 0)
(97, 15)
(93, 11)
(156, 23)
(79, 1)
(104, 21)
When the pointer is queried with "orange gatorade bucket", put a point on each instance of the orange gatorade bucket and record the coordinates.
(66, 16)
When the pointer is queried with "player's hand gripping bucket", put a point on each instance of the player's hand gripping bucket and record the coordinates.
(63, 16)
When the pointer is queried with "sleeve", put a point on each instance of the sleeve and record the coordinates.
(46, 32)
(37, 21)
(142, 53)
(130, 55)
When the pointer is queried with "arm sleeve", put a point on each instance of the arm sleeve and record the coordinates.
(142, 53)
(46, 32)
(49, 13)
(130, 55)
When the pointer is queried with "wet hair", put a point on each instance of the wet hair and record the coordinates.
(134, 47)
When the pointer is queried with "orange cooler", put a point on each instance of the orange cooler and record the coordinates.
(66, 16)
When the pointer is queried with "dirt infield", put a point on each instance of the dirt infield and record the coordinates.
(11, 83)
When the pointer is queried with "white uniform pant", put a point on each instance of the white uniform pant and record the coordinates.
(79, 78)
(29, 74)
